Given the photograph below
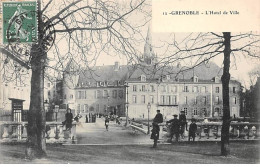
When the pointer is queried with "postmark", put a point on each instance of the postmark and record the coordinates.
(20, 22)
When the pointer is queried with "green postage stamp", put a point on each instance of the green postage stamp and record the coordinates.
(20, 22)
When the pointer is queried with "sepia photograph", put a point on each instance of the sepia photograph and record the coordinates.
(129, 82)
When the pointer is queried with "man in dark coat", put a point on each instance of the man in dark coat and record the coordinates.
(183, 123)
(156, 129)
(174, 127)
(192, 129)
(68, 119)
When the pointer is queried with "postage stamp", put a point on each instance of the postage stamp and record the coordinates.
(20, 23)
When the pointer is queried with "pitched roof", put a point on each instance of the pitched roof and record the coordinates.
(113, 73)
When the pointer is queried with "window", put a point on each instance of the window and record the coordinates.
(120, 94)
(186, 100)
(152, 99)
(49, 93)
(234, 100)
(78, 94)
(143, 98)
(196, 100)
(195, 89)
(204, 100)
(134, 99)
(216, 114)
(134, 88)
(217, 100)
(86, 107)
(186, 111)
(71, 96)
(82, 108)
(143, 88)
(99, 95)
(174, 89)
(65, 96)
(168, 100)
(196, 79)
(203, 89)
(49, 85)
(234, 89)
(143, 78)
(114, 93)
(195, 111)
(152, 88)
(97, 108)
(168, 77)
(174, 99)
(105, 93)
(78, 108)
(186, 89)
(162, 100)
(217, 90)
(163, 88)
(204, 112)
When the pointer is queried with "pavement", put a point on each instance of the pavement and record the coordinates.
(120, 145)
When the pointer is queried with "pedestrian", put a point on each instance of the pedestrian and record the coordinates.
(174, 127)
(192, 129)
(68, 119)
(87, 118)
(156, 129)
(106, 122)
(183, 123)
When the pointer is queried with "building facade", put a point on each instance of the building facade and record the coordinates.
(127, 90)
(198, 98)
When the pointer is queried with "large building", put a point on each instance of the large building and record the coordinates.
(125, 89)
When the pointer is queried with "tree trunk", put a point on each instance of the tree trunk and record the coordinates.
(225, 93)
(36, 145)
(36, 142)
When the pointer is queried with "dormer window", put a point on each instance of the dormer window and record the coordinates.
(195, 79)
(143, 78)
(217, 79)
(168, 77)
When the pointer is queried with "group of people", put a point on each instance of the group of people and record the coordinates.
(177, 127)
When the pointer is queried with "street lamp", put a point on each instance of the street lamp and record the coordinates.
(126, 105)
(148, 107)
(56, 110)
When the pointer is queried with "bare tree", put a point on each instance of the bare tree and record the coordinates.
(83, 30)
(198, 48)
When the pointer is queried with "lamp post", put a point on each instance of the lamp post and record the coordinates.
(56, 110)
(148, 107)
(126, 105)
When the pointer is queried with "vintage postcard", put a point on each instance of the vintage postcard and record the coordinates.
(129, 82)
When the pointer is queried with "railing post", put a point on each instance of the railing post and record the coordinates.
(52, 134)
(24, 131)
(6, 131)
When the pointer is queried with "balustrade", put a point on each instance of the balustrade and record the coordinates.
(55, 132)
(212, 130)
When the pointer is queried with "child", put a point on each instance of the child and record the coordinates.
(192, 129)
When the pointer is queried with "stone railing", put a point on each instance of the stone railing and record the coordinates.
(212, 130)
(17, 132)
